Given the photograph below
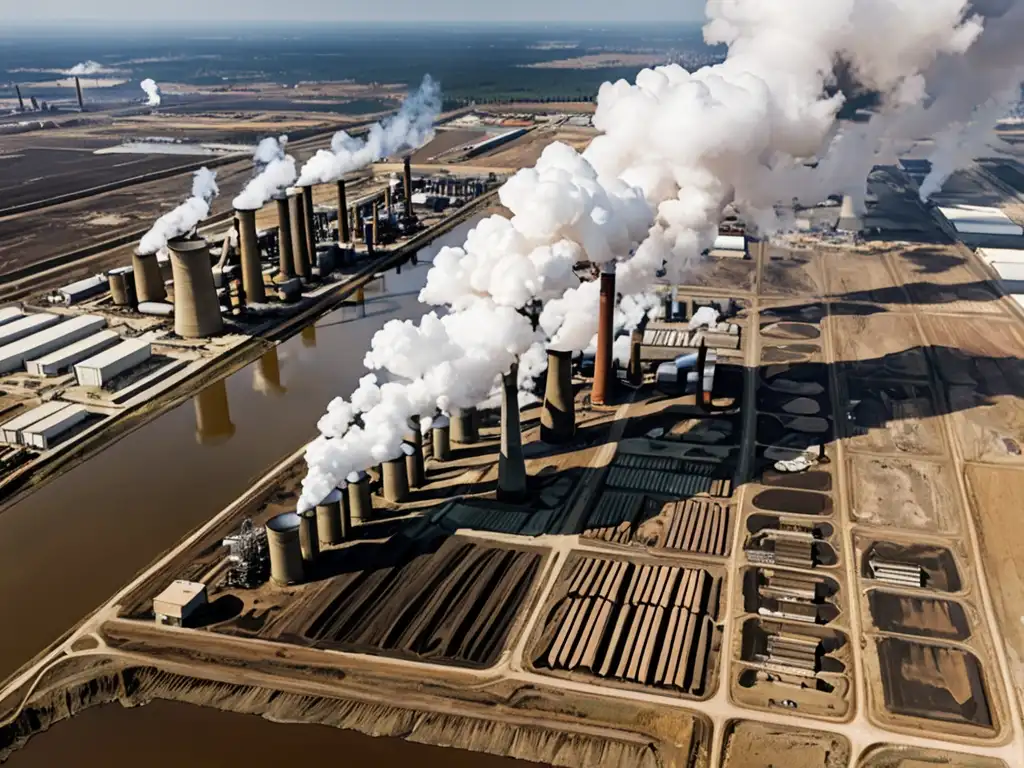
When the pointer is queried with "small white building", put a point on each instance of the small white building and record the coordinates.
(178, 602)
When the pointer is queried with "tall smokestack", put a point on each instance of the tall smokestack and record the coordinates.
(407, 179)
(213, 415)
(196, 311)
(21, 101)
(307, 205)
(285, 254)
(387, 199)
(149, 283)
(601, 393)
(414, 463)
(511, 463)
(376, 222)
(558, 419)
(78, 89)
(249, 246)
(344, 235)
(357, 224)
(299, 240)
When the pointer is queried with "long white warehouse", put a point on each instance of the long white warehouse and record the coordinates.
(10, 314)
(10, 431)
(13, 356)
(26, 326)
(43, 434)
(62, 360)
(980, 220)
(98, 370)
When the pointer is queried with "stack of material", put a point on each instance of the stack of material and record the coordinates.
(698, 525)
(645, 624)
(61, 360)
(614, 517)
(791, 586)
(797, 552)
(11, 430)
(667, 476)
(100, 369)
(13, 356)
(44, 434)
(897, 574)
(793, 649)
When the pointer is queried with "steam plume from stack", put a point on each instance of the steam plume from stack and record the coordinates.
(275, 171)
(411, 127)
(186, 216)
(676, 148)
(89, 67)
(152, 92)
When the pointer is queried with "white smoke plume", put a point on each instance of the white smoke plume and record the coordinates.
(89, 67)
(275, 171)
(647, 196)
(152, 92)
(410, 128)
(186, 216)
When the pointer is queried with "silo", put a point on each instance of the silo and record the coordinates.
(285, 254)
(285, 549)
(298, 229)
(249, 247)
(149, 283)
(558, 419)
(329, 522)
(396, 478)
(359, 499)
(196, 311)
(464, 426)
(414, 462)
(309, 539)
(213, 415)
(440, 437)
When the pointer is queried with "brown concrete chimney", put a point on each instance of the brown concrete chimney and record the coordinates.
(440, 436)
(285, 254)
(407, 184)
(558, 419)
(376, 222)
(395, 479)
(249, 247)
(359, 498)
(344, 236)
(149, 283)
(511, 463)
(213, 414)
(21, 101)
(196, 310)
(330, 525)
(78, 90)
(307, 204)
(299, 239)
(464, 426)
(414, 462)
(603, 381)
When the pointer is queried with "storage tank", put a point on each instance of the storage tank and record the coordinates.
(309, 539)
(329, 519)
(149, 283)
(440, 433)
(196, 310)
(359, 499)
(396, 478)
(285, 549)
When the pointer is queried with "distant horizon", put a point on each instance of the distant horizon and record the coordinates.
(67, 24)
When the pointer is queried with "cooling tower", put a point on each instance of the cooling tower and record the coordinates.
(213, 415)
(285, 254)
(603, 381)
(359, 499)
(285, 549)
(414, 462)
(307, 206)
(249, 246)
(196, 311)
(849, 220)
(78, 90)
(329, 524)
(298, 228)
(344, 236)
(558, 419)
(440, 436)
(407, 184)
(396, 478)
(511, 464)
(309, 539)
(149, 283)
(464, 426)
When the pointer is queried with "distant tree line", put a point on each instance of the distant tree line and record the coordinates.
(449, 104)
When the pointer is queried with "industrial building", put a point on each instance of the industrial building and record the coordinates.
(179, 602)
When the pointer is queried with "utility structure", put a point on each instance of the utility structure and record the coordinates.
(511, 462)
(300, 252)
(249, 247)
(285, 253)
(558, 419)
(307, 205)
(196, 309)
(603, 381)
(78, 90)
(344, 236)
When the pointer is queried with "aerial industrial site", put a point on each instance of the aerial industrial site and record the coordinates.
(527, 429)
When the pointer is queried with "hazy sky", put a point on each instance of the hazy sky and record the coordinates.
(580, 11)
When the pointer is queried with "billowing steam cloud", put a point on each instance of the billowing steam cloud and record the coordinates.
(87, 68)
(186, 216)
(152, 92)
(275, 171)
(647, 196)
(411, 127)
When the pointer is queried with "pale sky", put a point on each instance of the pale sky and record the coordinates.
(576, 11)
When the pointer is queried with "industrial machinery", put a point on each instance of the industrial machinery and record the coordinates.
(249, 558)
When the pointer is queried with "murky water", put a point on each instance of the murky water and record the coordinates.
(70, 545)
(171, 735)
